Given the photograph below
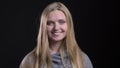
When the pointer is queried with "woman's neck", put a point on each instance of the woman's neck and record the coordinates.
(54, 46)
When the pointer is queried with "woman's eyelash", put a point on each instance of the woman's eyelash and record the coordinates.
(61, 21)
(49, 22)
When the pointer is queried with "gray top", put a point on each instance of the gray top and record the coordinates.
(57, 62)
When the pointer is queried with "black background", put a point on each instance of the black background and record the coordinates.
(95, 21)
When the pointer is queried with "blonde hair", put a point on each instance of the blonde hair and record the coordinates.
(69, 45)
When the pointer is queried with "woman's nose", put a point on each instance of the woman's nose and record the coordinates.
(56, 26)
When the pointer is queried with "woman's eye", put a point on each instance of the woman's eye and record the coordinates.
(61, 21)
(49, 22)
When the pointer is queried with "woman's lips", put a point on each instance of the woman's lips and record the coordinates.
(56, 33)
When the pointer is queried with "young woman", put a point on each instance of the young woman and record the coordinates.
(56, 44)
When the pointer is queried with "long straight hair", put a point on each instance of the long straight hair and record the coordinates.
(69, 45)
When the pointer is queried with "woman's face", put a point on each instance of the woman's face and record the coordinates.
(56, 25)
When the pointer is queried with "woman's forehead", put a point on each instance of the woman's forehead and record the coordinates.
(56, 14)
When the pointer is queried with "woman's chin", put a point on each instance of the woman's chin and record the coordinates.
(56, 39)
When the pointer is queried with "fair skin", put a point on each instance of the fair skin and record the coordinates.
(56, 29)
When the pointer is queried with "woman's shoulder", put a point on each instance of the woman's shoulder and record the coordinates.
(86, 61)
(28, 60)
